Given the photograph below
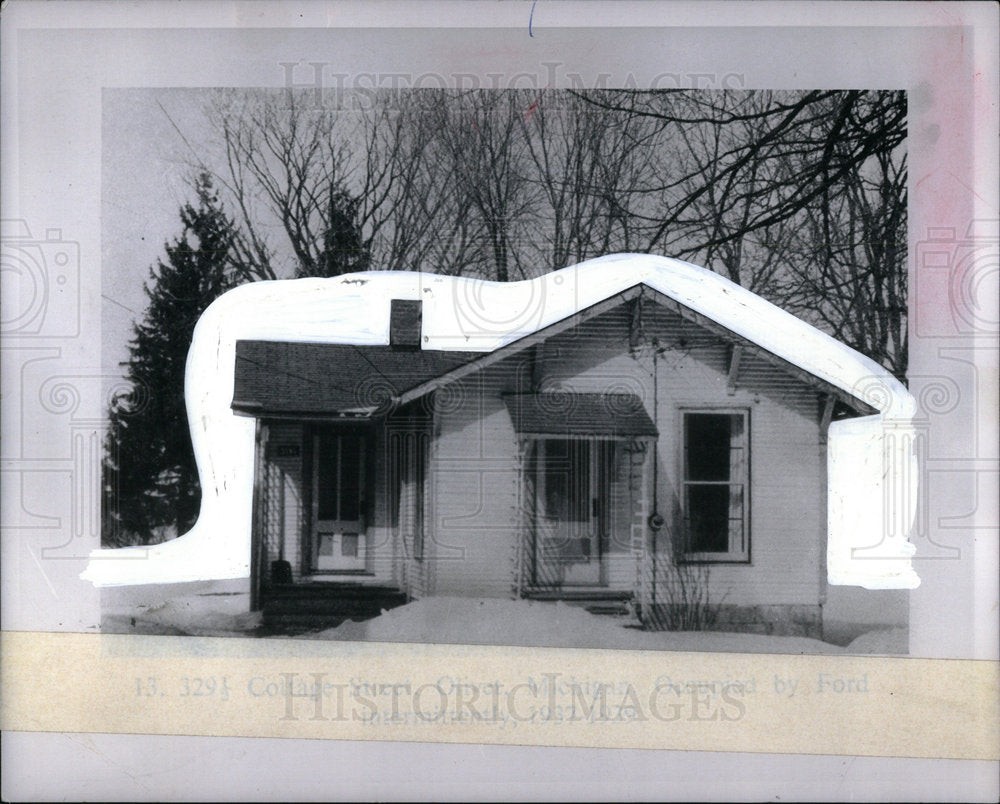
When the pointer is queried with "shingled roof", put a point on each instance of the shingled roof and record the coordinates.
(331, 379)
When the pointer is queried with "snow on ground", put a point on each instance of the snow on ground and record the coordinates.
(210, 608)
(545, 624)
(220, 608)
(884, 641)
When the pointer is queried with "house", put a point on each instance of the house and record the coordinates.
(631, 432)
(657, 438)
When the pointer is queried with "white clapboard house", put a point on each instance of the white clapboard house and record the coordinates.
(607, 439)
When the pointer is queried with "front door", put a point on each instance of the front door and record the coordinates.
(338, 532)
(572, 495)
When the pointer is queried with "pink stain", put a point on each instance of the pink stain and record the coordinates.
(531, 109)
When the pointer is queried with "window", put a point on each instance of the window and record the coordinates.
(339, 471)
(715, 486)
(567, 480)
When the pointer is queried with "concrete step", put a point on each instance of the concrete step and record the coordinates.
(340, 590)
(325, 605)
(610, 602)
(571, 595)
(610, 609)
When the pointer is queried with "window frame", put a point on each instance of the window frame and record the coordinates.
(731, 556)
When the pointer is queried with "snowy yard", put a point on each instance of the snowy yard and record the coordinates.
(220, 609)
(203, 608)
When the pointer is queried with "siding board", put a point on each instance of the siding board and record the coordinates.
(475, 458)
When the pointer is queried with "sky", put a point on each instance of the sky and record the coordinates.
(145, 181)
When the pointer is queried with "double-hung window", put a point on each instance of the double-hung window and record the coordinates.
(716, 486)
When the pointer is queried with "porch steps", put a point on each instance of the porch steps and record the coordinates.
(596, 601)
(315, 606)
(619, 609)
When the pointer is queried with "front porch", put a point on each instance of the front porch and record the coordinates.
(337, 506)
(585, 484)
(314, 605)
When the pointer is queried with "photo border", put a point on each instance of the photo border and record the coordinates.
(51, 112)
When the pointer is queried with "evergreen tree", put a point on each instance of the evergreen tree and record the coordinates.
(151, 487)
(343, 248)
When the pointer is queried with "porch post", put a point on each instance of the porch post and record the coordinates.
(522, 517)
(257, 517)
(642, 545)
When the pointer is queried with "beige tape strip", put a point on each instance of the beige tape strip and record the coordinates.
(440, 693)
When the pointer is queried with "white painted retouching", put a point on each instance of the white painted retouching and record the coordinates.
(872, 477)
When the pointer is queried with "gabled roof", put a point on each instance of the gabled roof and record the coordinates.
(292, 378)
(630, 294)
(469, 324)
(283, 378)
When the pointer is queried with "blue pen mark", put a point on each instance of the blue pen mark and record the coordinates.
(531, 17)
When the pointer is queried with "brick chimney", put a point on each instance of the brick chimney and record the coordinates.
(405, 316)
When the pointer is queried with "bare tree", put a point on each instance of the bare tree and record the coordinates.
(416, 206)
(284, 167)
(799, 196)
(850, 260)
(588, 165)
(746, 180)
(373, 165)
(482, 135)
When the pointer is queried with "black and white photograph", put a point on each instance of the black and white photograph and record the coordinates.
(499, 400)
(487, 409)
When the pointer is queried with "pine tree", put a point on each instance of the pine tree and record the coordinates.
(151, 487)
(343, 250)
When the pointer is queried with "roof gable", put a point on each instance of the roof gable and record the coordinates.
(290, 378)
(634, 294)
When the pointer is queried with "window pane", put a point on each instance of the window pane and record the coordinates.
(420, 462)
(708, 440)
(567, 480)
(708, 519)
(397, 474)
(339, 464)
(555, 465)
(349, 545)
(326, 480)
(580, 481)
(350, 479)
(736, 540)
